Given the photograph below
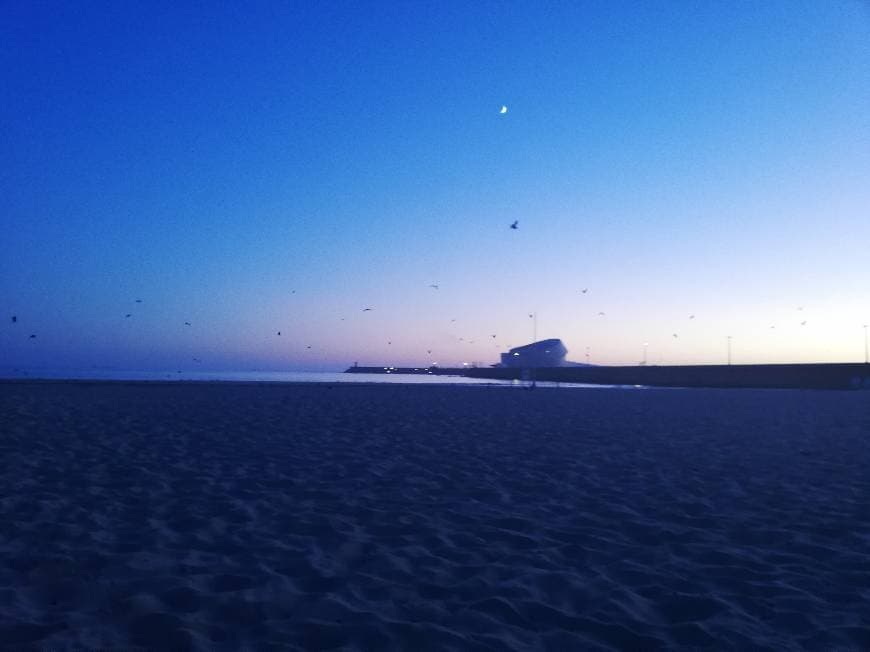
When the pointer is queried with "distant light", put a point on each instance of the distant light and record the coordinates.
(503, 109)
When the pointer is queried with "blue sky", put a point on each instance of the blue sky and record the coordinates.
(281, 167)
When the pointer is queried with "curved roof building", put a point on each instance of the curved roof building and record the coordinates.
(546, 353)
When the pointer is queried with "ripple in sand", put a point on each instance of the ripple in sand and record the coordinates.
(22, 633)
(182, 599)
(160, 631)
(228, 582)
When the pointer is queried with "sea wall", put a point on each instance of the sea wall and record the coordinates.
(786, 376)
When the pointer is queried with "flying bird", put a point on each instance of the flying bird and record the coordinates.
(675, 335)
(601, 314)
(800, 307)
(493, 337)
(279, 333)
(804, 323)
(433, 286)
(14, 319)
(366, 309)
(503, 109)
(452, 320)
(429, 351)
(197, 360)
(515, 224)
(691, 316)
(308, 347)
(584, 290)
(187, 323)
(138, 300)
(127, 315)
(33, 337)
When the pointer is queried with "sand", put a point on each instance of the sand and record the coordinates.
(253, 517)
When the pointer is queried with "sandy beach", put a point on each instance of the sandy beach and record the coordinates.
(361, 517)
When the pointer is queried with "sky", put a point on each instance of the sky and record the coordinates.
(281, 166)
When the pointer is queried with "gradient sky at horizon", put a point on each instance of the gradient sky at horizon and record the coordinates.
(281, 167)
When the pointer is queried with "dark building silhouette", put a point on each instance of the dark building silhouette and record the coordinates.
(546, 353)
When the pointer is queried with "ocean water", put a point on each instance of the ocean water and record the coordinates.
(265, 376)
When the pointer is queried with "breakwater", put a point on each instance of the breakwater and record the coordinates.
(771, 376)
(435, 371)
(783, 376)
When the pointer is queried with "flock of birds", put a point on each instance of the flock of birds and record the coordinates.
(514, 226)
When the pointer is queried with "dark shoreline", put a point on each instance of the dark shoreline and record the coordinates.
(846, 375)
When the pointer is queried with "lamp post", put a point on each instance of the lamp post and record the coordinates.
(533, 371)
(729, 350)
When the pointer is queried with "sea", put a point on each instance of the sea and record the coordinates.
(265, 376)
